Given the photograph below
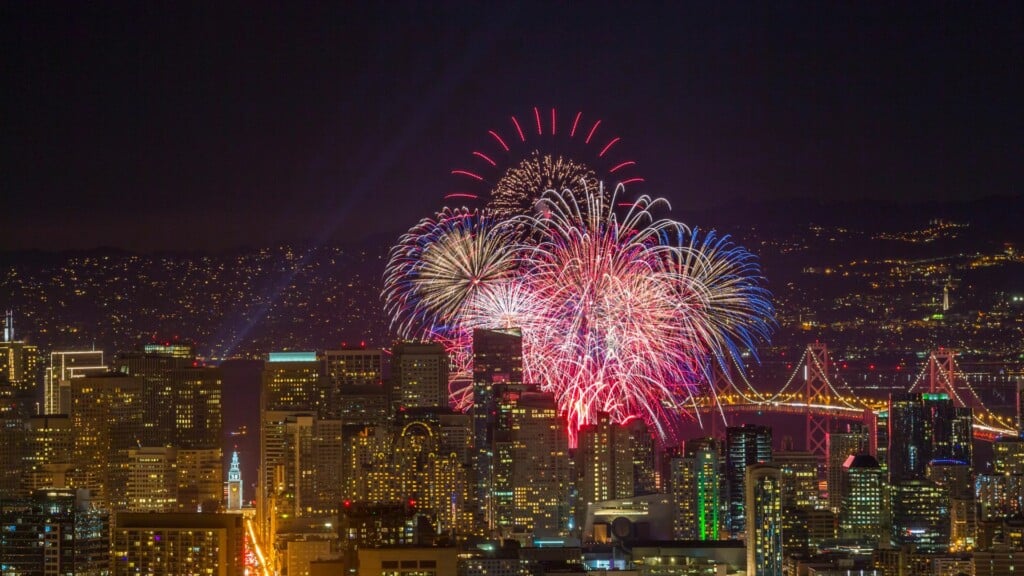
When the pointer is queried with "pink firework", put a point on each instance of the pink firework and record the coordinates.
(620, 313)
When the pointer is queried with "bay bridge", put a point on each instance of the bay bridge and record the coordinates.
(815, 392)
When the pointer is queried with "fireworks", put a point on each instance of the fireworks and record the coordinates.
(518, 191)
(622, 315)
(440, 265)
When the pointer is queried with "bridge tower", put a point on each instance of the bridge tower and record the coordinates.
(816, 390)
(942, 374)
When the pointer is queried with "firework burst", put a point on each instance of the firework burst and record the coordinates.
(440, 265)
(518, 191)
(620, 312)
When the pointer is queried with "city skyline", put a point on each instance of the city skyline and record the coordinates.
(471, 289)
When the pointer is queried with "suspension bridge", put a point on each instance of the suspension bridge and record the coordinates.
(815, 391)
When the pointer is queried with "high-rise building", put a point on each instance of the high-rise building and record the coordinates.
(200, 479)
(294, 382)
(881, 444)
(645, 469)
(926, 427)
(841, 445)
(152, 479)
(799, 496)
(604, 464)
(763, 494)
(293, 393)
(909, 438)
(233, 487)
(744, 446)
(64, 366)
(49, 454)
(183, 402)
(695, 482)
(177, 543)
(497, 359)
(18, 401)
(1008, 455)
(19, 362)
(55, 532)
(302, 462)
(861, 508)
(530, 486)
(357, 394)
(920, 515)
(419, 374)
(957, 479)
(108, 415)
(951, 429)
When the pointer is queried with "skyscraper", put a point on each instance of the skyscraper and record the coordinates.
(292, 393)
(604, 464)
(530, 486)
(909, 439)
(799, 496)
(763, 497)
(19, 362)
(18, 400)
(925, 427)
(293, 382)
(419, 375)
(49, 452)
(861, 506)
(497, 359)
(152, 479)
(920, 515)
(357, 394)
(842, 445)
(64, 366)
(695, 482)
(54, 532)
(744, 446)
(108, 415)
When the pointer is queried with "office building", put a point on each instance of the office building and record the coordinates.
(920, 515)
(744, 446)
(799, 496)
(357, 394)
(64, 366)
(841, 445)
(152, 479)
(604, 464)
(926, 427)
(49, 454)
(294, 382)
(419, 375)
(497, 359)
(763, 496)
(695, 483)
(19, 363)
(108, 416)
(861, 515)
(530, 487)
(177, 543)
(54, 532)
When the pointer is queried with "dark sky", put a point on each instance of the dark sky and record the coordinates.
(160, 125)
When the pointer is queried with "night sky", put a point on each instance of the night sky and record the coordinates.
(164, 126)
